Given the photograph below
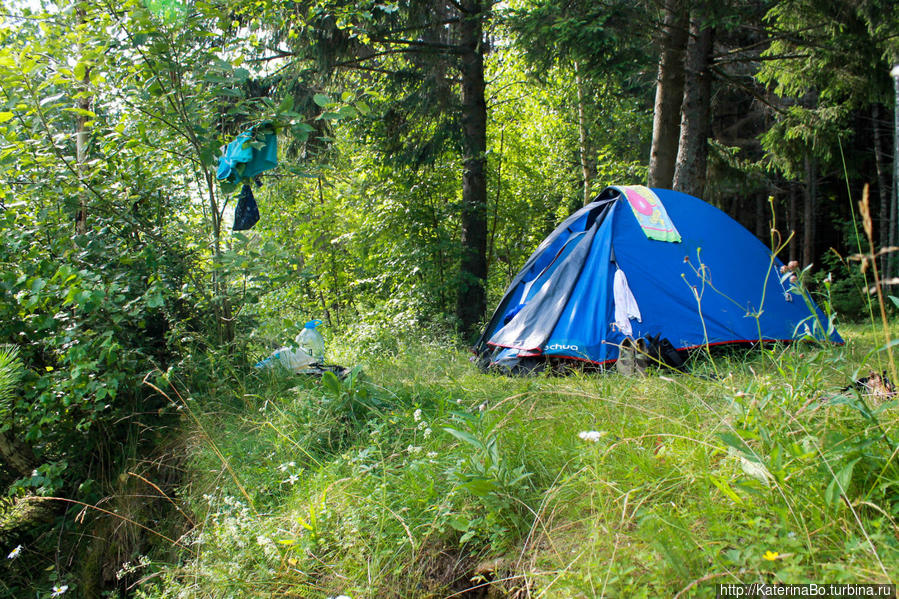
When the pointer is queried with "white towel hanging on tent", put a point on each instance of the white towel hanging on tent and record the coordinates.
(625, 304)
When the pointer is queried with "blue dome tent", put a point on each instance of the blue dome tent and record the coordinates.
(639, 263)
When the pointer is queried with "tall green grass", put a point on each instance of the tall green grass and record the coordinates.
(419, 476)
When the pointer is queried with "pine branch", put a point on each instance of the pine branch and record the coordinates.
(450, 48)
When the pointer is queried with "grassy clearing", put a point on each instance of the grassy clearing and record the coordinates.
(423, 478)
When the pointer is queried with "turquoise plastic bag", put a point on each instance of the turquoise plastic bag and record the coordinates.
(241, 160)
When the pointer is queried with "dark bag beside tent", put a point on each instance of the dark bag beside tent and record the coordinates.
(641, 263)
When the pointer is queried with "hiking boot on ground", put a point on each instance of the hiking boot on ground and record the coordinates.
(625, 362)
(642, 359)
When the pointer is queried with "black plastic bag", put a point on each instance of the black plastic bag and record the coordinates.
(246, 214)
(663, 352)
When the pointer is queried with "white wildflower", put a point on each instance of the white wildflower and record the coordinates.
(427, 433)
(292, 479)
(128, 568)
(14, 553)
(422, 425)
(413, 449)
(417, 415)
(432, 454)
(592, 436)
(59, 591)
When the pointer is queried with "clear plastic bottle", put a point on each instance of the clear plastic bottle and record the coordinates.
(294, 360)
(311, 341)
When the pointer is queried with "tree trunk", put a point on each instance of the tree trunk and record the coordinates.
(81, 131)
(884, 189)
(221, 303)
(494, 220)
(472, 297)
(27, 513)
(808, 211)
(891, 271)
(693, 151)
(588, 162)
(793, 224)
(16, 454)
(669, 95)
(761, 223)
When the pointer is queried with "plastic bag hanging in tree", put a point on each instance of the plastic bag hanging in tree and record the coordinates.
(246, 213)
(251, 153)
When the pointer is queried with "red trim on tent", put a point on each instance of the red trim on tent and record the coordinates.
(537, 351)
(746, 341)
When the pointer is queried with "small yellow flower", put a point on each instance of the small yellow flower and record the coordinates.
(771, 555)
(292, 561)
(49, 368)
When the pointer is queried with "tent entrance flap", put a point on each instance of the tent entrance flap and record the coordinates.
(534, 323)
(583, 220)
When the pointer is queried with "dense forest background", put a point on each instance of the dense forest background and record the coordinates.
(425, 150)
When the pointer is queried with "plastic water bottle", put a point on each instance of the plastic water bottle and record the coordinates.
(311, 341)
(294, 360)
